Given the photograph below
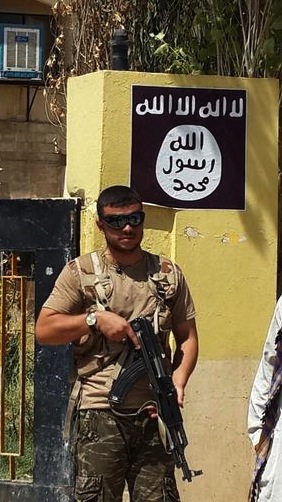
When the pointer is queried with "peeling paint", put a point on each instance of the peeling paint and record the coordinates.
(233, 238)
(91, 205)
(192, 232)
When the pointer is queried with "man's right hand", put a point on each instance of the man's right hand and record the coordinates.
(114, 327)
(54, 328)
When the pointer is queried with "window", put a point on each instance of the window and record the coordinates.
(33, 20)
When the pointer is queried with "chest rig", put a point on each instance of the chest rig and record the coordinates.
(97, 285)
(92, 352)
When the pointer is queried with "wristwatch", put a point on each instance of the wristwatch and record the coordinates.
(91, 320)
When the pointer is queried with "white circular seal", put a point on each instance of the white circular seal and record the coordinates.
(189, 163)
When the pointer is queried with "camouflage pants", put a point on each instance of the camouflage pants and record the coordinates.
(111, 450)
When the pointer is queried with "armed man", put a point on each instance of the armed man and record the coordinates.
(95, 299)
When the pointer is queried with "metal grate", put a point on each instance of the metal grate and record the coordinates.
(13, 352)
(22, 49)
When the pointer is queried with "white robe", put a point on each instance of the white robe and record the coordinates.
(271, 480)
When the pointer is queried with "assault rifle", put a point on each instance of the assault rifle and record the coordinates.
(149, 360)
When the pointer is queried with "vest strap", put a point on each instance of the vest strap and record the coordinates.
(72, 405)
(102, 300)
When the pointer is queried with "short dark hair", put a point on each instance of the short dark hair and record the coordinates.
(117, 196)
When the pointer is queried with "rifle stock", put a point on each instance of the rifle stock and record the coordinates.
(149, 360)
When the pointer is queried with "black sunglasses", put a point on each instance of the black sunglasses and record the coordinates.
(119, 221)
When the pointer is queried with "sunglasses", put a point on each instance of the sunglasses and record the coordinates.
(119, 221)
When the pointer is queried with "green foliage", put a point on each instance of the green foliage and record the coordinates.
(176, 59)
(24, 464)
(12, 391)
(211, 37)
(233, 38)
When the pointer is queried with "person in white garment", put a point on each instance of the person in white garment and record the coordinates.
(265, 418)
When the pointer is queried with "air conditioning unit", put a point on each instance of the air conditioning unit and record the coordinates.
(20, 52)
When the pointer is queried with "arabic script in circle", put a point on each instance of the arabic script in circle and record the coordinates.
(189, 163)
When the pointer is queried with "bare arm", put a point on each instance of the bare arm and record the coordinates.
(54, 328)
(186, 355)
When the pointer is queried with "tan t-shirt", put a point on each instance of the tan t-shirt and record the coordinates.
(131, 294)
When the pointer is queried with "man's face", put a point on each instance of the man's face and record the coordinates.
(125, 239)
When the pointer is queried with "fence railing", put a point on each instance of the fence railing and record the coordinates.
(13, 356)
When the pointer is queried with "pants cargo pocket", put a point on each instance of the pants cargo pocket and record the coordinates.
(89, 489)
(170, 492)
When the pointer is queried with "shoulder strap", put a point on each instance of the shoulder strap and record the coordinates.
(162, 277)
(153, 264)
(100, 280)
(91, 271)
(163, 274)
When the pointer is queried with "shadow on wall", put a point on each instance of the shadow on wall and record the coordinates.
(159, 218)
(261, 174)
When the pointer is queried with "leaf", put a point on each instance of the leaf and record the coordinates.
(269, 46)
(182, 53)
(277, 24)
(216, 34)
(160, 36)
(161, 50)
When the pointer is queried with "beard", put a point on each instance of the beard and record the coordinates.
(122, 246)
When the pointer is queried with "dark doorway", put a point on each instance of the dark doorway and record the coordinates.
(37, 237)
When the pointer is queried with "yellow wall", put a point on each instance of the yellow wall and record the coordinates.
(229, 258)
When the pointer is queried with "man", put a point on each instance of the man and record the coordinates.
(265, 417)
(93, 301)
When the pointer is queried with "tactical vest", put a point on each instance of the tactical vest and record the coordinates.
(90, 352)
(96, 285)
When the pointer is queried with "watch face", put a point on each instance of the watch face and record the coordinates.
(91, 319)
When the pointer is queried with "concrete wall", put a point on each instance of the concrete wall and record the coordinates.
(29, 164)
(229, 260)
